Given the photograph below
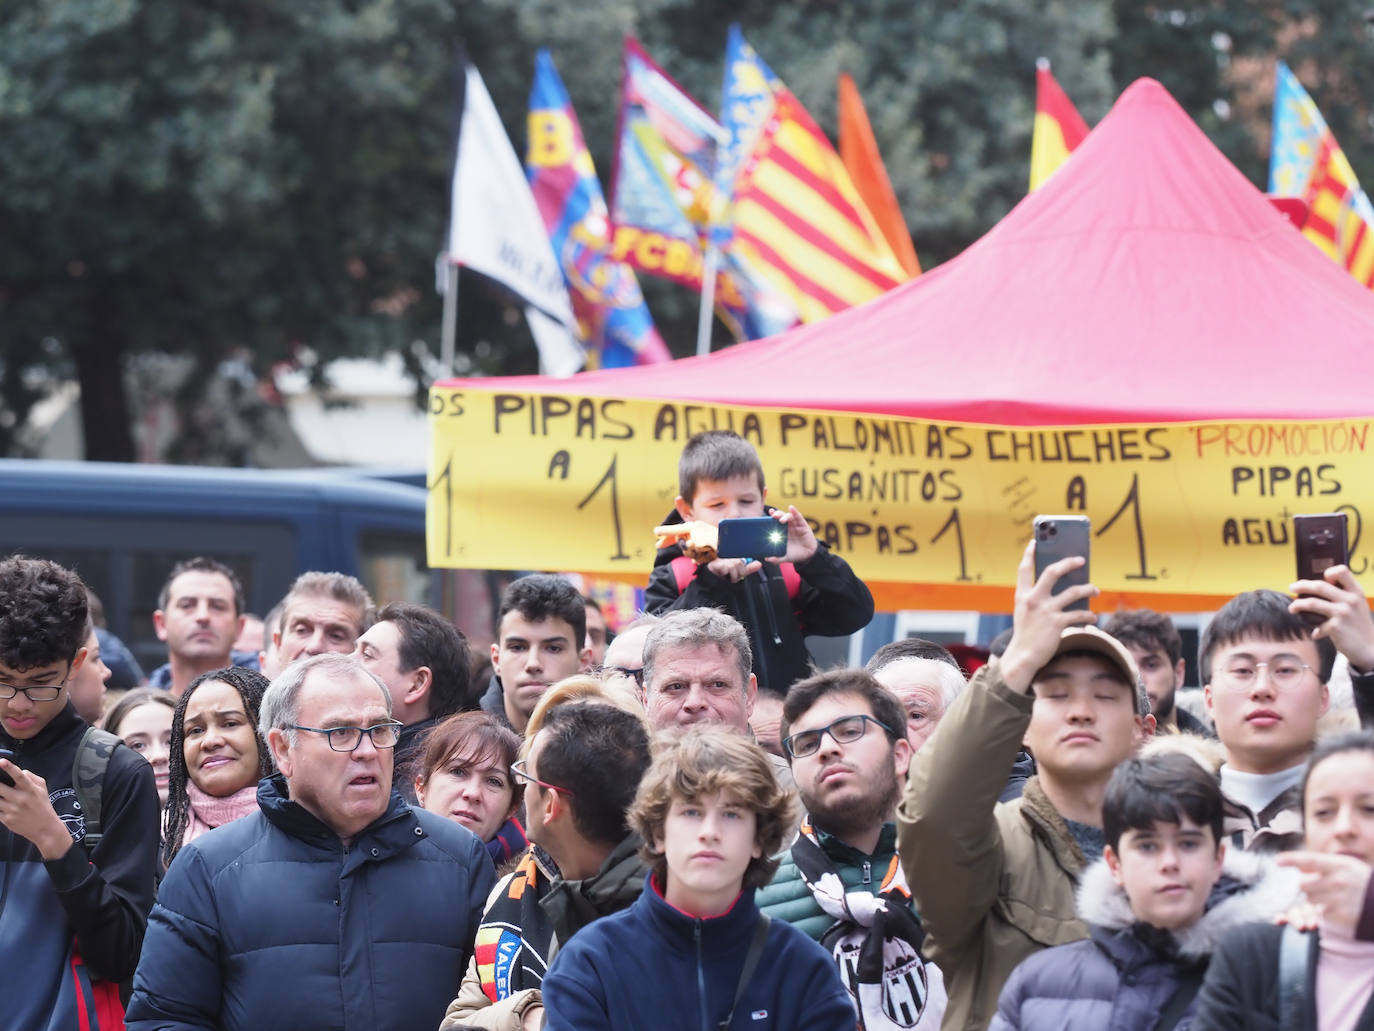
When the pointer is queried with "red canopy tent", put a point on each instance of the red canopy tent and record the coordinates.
(1147, 282)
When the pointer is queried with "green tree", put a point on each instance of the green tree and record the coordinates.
(200, 178)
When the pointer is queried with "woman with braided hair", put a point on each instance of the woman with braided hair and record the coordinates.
(217, 757)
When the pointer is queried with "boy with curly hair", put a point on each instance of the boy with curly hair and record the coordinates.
(694, 951)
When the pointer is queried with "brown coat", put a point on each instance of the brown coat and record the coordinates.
(993, 882)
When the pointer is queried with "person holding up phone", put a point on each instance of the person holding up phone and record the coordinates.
(1264, 671)
(994, 882)
(1338, 611)
(780, 600)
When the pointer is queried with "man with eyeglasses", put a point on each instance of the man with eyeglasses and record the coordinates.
(622, 667)
(1264, 675)
(73, 910)
(336, 904)
(842, 883)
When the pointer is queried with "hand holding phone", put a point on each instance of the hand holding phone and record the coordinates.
(1319, 542)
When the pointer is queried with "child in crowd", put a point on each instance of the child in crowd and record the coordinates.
(808, 591)
(1156, 905)
(694, 951)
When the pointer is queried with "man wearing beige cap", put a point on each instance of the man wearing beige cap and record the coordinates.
(994, 882)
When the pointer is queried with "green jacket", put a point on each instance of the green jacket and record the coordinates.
(786, 897)
(994, 882)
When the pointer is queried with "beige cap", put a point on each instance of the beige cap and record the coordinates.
(1091, 639)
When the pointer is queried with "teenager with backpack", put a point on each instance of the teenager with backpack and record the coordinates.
(78, 819)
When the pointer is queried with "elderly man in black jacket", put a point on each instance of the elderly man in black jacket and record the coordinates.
(337, 905)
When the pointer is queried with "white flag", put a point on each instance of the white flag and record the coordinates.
(496, 229)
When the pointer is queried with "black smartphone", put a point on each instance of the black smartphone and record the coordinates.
(755, 537)
(1320, 542)
(1060, 536)
(5, 778)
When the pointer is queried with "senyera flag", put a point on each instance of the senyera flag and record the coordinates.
(1306, 161)
(791, 209)
(613, 320)
(662, 197)
(1059, 128)
(495, 229)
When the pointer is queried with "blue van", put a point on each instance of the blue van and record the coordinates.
(123, 527)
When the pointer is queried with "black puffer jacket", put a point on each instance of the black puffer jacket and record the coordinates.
(1124, 976)
(830, 601)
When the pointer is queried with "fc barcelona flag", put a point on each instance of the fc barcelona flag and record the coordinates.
(662, 198)
(613, 320)
(790, 208)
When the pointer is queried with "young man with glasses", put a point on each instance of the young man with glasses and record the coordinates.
(1264, 674)
(336, 903)
(995, 882)
(841, 882)
(73, 911)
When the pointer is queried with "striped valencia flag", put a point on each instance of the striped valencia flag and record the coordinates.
(862, 159)
(1059, 128)
(1306, 161)
(792, 211)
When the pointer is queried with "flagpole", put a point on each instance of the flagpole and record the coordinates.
(708, 299)
(450, 325)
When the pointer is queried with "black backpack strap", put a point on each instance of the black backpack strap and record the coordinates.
(751, 963)
(88, 779)
(1184, 994)
(1295, 993)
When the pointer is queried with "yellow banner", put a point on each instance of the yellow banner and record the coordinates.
(934, 514)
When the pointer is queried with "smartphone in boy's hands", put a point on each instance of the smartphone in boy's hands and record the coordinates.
(755, 537)
(1058, 537)
(5, 778)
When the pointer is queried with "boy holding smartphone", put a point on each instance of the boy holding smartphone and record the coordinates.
(779, 601)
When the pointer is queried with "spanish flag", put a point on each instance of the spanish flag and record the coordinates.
(790, 207)
(1059, 128)
(1306, 161)
(864, 163)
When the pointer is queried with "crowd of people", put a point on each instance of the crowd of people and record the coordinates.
(683, 823)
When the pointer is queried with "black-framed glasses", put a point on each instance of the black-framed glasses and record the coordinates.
(519, 772)
(637, 675)
(843, 730)
(36, 692)
(347, 739)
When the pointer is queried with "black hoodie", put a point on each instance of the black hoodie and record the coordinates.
(102, 898)
(830, 601)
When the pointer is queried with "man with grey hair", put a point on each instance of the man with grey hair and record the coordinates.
(925, 678)
(697, 670)
(336, 904)
(322, 612)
